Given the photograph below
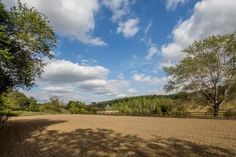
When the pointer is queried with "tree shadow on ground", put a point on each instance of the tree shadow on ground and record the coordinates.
(32, 140)
(14, 136)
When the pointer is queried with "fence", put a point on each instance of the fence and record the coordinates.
(205, 114)
(221, 114)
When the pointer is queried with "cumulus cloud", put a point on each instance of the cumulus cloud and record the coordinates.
(210, 17)
(128, 28)
(93, 84)
(151, 52)
(113, 87)
(172, 4)
(76, 18)
(71, 81)
(68, 72)
(73, 18)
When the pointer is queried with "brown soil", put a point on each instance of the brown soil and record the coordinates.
(93, 135)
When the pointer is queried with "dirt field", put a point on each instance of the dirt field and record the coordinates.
(91, 135)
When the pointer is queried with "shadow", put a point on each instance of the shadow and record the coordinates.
(31, 139)
(14, 135)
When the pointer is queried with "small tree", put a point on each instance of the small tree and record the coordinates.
(33, 106)
(208, 68)
(76, 107)
(54, 105)
(73, 107)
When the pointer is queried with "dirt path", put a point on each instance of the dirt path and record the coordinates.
(90, 135)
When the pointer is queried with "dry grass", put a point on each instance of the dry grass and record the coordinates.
(92, 135)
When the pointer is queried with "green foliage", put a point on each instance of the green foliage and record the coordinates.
(140, 105)
(208, 68)
(8, 113)
(33, 106)
(73, 107)
(76, 107)
(15, 100)
(25, 39)
(54, 105)
(165, 109)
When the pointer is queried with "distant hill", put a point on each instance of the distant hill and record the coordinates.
(149, 104)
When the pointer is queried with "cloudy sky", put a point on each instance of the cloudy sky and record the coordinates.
(114, 48)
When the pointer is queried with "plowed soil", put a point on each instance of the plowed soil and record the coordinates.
(96, 135)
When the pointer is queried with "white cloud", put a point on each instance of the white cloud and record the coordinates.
(110, 88)
(129, 28)
(157, 92)
(119, 8)
(210, 17)
(171, 53)
(93, 84)
(150, 79)
(71, 81)
(151, 52)
(132, 91)
(73, 18)
(121, 96)
(68, 72)
(172, 4)
(55, 89)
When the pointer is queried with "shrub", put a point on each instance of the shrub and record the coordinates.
(156, 109)
(33, 106)
(8, 113)
(76, 107)
(166, 109)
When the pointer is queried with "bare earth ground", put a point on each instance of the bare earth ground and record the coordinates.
(95, 135)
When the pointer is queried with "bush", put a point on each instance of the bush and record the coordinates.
(53, 106)
(14, 100)
(230, 114)
(8, 113)
(33, 106)
(156, 110)
(166, 109)
(76, 107)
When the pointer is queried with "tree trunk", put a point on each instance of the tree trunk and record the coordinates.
(216, 109)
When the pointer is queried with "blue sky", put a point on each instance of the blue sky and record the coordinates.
(114, 48)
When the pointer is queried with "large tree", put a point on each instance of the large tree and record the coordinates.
(26, 39)
(209, 68)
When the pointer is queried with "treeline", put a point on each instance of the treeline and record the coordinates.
(161, 105)
(148, 105)
(12, 100)
(180, 104)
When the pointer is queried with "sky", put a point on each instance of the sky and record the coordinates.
(109, 49)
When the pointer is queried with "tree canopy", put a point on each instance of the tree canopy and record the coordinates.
(208, 67)
(26, 38)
